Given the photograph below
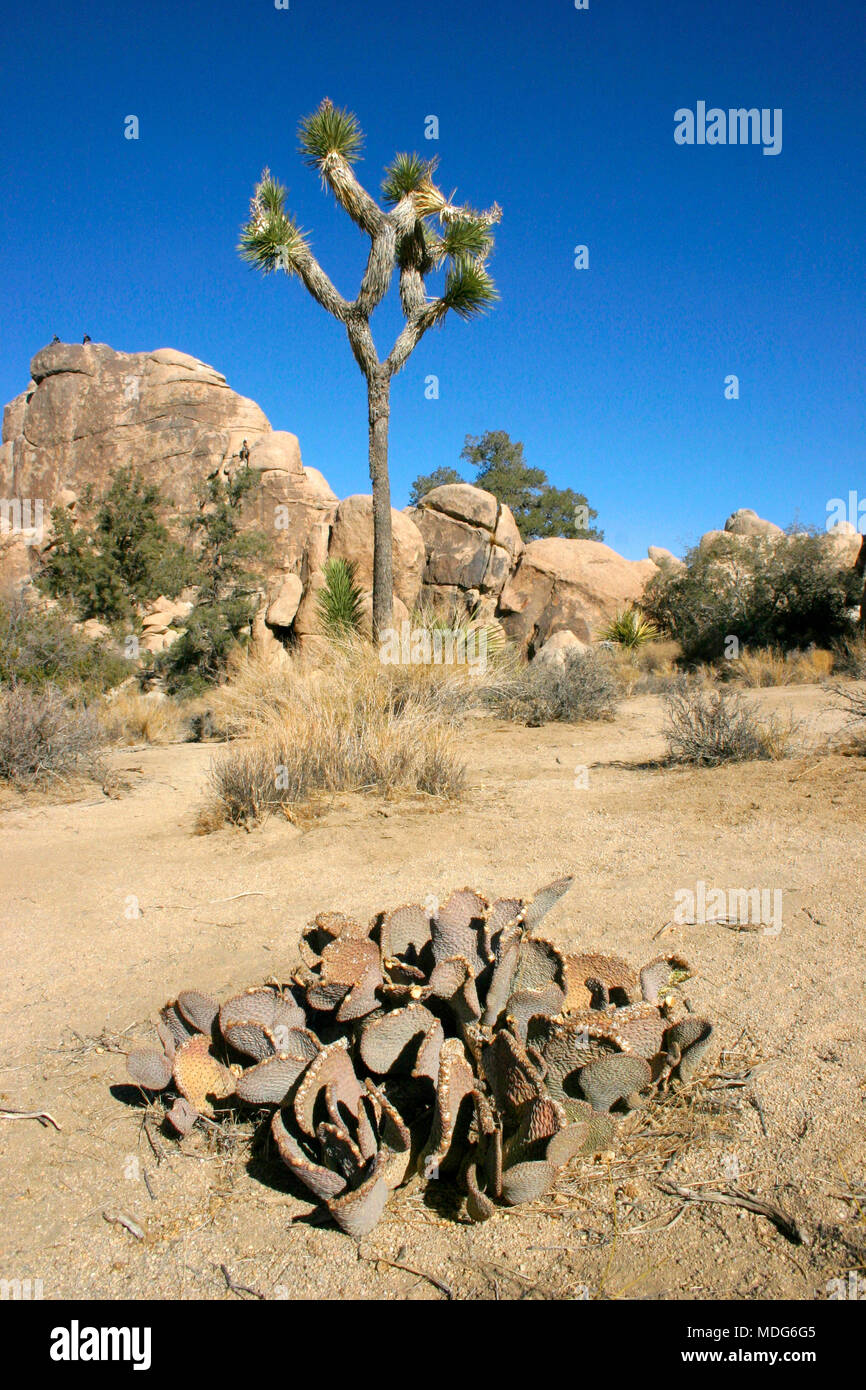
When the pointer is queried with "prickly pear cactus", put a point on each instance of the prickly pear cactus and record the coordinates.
(452, 1042)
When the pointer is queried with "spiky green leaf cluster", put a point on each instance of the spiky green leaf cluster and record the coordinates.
(465, 239)
(406, 174)
(629, 628)
(469, 290)
(271, 239)
(339, 601)
(330, 130)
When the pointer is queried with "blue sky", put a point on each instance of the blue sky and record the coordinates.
(705, 261)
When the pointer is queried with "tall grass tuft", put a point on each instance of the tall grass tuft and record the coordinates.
(133, 717)
(350, 724)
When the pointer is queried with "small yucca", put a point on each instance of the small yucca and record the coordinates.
(629, 628)
(340, 600)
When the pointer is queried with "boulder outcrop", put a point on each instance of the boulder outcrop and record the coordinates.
(471, 545)
(568, 584)
(352, 539)
(90, 410)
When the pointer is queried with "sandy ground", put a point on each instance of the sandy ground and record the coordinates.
(83, 976)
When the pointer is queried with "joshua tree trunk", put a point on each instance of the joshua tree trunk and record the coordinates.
(379, 403)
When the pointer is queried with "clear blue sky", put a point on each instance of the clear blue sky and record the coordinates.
(704, 261)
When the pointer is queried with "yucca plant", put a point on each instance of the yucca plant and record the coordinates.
(630, 628)
(418, 231)
(339, 601)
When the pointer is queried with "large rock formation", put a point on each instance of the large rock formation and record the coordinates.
(89, 410)
(573, 586)
(471, 543)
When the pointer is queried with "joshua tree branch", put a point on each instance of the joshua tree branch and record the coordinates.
(380, 268)
(412, 293)
(351, 195)
(411, 335)
(362, 345)
(320, 287)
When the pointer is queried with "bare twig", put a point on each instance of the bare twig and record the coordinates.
(239, 1288)
(41, 1115)
(253, 893)
(784, 1223)
(755, 1100)
(439, 1284)
(120, 1219)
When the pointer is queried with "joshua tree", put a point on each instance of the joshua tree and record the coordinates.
(403, 235)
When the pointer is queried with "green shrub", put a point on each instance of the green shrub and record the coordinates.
(198, 657)
(42, 646)
(226, 598)
(582, 686)
(123, 557)
(767, 592)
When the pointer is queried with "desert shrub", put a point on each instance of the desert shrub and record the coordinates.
(122, 557)
(46, 736)
(582, 686)
(340, 599)
(40, 646)
(707, 727)
(786, 593)
(202, 722)
(854, 703)
(642, 671)
(630, 628)
(350, 724)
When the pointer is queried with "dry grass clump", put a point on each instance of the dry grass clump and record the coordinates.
(45, 737)
(350, 724)
(850, 658)
(762, 667)
(582, 686)
(646, 670)
(708, 727)
(135, 717)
